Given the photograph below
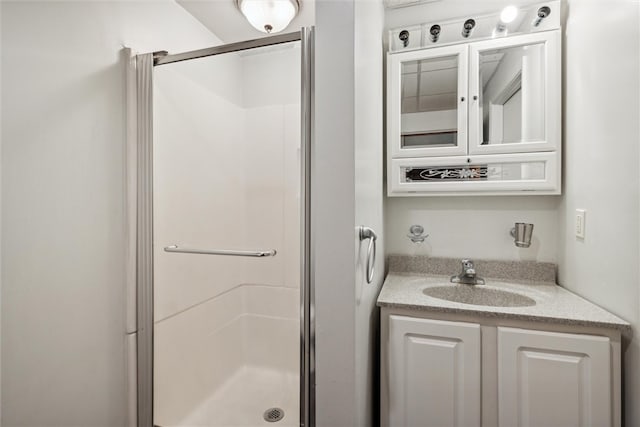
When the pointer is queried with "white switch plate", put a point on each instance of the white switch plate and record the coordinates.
(580, 225)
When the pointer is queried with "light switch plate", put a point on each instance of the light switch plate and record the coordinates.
(580, 224)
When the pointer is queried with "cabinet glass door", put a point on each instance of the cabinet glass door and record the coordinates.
(515, 95)
(428, 102)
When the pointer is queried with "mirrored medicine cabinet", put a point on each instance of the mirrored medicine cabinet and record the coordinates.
(477, 117)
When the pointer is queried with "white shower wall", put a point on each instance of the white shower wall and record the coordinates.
(201, 349)
(226, 176)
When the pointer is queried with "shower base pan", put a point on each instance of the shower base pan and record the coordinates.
(243, 399)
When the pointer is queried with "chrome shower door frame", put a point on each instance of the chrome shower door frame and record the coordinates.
(144, 65)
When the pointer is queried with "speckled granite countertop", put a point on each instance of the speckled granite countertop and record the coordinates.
(553, 303)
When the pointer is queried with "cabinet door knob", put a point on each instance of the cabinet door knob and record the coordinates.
(462, 98)
(475, 97)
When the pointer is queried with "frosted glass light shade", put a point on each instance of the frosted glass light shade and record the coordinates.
(508, 14)
(269, 16)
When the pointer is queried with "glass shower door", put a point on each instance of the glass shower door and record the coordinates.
(226, 239)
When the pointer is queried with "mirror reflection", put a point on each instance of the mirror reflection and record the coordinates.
(429, 103)
(512, 94)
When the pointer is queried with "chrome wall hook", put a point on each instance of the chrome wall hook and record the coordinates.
(416, 234)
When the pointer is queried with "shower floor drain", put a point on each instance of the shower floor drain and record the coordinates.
(273, 415)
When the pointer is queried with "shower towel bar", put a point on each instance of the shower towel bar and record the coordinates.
(176, 248)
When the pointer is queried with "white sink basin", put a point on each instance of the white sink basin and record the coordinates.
(479, 295)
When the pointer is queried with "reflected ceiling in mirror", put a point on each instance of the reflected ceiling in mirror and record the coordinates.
(429, 102)
(429, 85)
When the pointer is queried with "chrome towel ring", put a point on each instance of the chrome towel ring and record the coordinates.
(368, 233)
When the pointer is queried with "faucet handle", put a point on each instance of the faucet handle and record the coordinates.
(468, 274)
(468, 268)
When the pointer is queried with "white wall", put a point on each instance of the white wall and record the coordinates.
(368, 32)
(475, 227)
(63, 361)
(346, 193)
(333, 214)
(602, 140)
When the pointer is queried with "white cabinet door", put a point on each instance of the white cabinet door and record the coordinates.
(434, 373)
(548, 379)
(427, 102)
(515, 103)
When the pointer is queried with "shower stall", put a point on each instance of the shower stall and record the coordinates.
(222, 254)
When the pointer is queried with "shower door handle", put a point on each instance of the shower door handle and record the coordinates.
(224, 252)
(367, 233)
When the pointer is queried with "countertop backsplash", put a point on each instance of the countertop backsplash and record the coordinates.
(495, 269)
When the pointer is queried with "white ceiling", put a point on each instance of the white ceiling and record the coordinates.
(390, 4)
(223, 18)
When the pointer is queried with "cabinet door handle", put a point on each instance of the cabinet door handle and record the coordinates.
(367, 233)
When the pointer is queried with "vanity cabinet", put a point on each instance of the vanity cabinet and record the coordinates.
(444, 372)
(478, 117)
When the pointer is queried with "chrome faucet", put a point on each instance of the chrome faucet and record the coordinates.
(468, 275)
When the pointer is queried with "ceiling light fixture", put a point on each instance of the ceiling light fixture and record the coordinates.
(269, 16)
